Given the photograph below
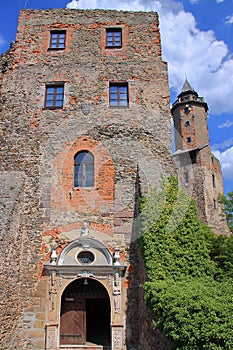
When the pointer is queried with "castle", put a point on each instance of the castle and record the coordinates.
(85, 129)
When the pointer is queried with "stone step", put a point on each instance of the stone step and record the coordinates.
(85, 347)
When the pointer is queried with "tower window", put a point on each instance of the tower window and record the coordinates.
(187, 123)
(54, 96)
(189, 139)
(113, 37)
(213, 181)
(186, 178)
(57, 39)
(118, 95)
(84, 169)
(186, 110)
(215, 204)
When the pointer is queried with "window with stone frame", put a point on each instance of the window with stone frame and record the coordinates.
(118, 95)
(114, 37)
(57, 40)
(54, 96)
(83, 169)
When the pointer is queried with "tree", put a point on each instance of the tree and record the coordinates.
(228, 204)
(188, 268)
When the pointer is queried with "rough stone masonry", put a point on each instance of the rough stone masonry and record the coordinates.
(85, 130)
(44, 253)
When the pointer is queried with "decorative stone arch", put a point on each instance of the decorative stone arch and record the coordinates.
(85, 261)
(102, 255)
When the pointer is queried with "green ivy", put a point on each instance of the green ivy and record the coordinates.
(189, 269)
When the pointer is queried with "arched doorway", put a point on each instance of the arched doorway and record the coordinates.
(85, 314)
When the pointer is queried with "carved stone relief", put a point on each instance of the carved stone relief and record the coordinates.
(51, 336)
(117, 338)
(52, 290)
(117, 293)
(86, 108)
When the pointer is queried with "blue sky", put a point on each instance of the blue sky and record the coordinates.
(197, 42)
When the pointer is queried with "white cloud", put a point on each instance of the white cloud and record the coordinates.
(226, 124)
(199, 55)
(196, 1)
(190, 52)
(226, 160)
(2, 40)
(73, 4)
(222, 146)
(94, 4)
(229, 20)
(134, 5)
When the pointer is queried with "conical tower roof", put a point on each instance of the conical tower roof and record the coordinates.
(187, 86)
(187, 89)
(188, 95)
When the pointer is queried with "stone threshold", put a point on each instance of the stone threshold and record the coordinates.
(85, 347)
(82, 347)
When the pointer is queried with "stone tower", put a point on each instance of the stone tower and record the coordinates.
(85, 129)
(198, 169)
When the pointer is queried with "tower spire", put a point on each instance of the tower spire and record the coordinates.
(187, 87)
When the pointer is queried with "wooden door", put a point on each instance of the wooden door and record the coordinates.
(73, 322)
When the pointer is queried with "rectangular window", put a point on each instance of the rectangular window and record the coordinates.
(57, 39)
(186, 178)
(189, 139)
(118, 95)
(54, 96)
(114, 37)
(213, 181)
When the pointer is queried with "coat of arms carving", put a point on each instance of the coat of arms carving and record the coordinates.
(86, 107)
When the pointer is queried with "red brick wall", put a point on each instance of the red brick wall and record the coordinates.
(84, 200)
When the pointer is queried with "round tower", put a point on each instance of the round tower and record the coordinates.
(189, 113)
(198, 169)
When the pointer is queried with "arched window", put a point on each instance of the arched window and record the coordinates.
(84, 169)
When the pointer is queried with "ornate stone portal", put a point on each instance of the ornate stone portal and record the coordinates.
(88, 259)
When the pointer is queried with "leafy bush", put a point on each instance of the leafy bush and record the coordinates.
(195, 313)
(188, 269)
